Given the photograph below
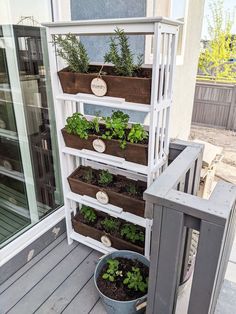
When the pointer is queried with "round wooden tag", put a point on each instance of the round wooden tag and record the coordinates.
(99, 145)
(102, 197)
(7, 165)
(106, 241)
(2, 124)
(99, 86)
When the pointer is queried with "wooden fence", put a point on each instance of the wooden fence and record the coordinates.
(177, 211)
(215, 105)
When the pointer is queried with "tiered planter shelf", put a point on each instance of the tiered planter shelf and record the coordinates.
(139, 162)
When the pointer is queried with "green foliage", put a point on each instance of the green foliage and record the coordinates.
(214, 60)
(95, 125)
(121, 56)
(132, 233)
(134, 280)
(88, 175)
(116, 126)
(105, 178)
(110, 224)
(88, 213)
(137, 133)
(78, 125)
(112, 271)
(131, 189)
(69, 48)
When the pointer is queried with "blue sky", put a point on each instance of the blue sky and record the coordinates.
(228, 5)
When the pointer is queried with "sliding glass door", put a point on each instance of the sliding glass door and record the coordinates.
(29, 173)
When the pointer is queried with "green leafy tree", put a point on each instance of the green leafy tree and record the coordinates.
(70, 49)
(121, 56)
(214, 60)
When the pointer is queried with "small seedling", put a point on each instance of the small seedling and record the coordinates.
(116, 127)
(105, 178)
(132, 189)
(134, 280)
(78, 125)
(95, 125)
(110, 224)
(88, 175)
(88, 213)
(112, 271)
(137, 134)
(132, 233)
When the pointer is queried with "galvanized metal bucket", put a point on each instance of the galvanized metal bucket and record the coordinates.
(121, 307)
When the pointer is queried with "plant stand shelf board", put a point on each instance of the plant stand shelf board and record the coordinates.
(75, 152)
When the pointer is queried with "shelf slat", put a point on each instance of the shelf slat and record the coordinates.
(111, 102)
(107, 159)
(12, 174)
(109, 209)
(8, 134)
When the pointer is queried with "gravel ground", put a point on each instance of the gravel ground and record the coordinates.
(226, 170)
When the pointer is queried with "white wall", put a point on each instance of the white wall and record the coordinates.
(185, 76)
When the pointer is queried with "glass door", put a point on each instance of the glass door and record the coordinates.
(29, 173)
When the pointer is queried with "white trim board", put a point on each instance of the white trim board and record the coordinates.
(20, 243)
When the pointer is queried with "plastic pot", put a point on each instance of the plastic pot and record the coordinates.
(121, 307)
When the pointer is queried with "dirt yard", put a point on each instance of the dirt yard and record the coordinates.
(226, 170)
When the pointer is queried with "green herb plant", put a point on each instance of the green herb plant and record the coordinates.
(132, 233)
(120, 55)
(77, 124)
(110, 224)
(105, 178)
(88, 175)
(88, 213)
(70, 49)
(135, 281)
(137, 134)
(112, 271)
(132, 189)
(116, 127)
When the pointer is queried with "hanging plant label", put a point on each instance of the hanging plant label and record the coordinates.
(102, 197)
(7, 165)
(99, 146)
(106, 241)
(99, 87)
(2, 124)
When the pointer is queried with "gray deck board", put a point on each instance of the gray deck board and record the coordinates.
(58, 280)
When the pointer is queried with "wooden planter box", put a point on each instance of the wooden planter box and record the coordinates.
(94, 233)
(133, 89)
(137, 153)
(128, 203)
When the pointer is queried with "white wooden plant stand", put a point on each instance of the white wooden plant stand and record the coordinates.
(165, 38)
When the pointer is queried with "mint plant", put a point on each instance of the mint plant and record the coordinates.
(110, 224)
(88, 213)
(70, 49)
(112, 271)
(137, 134)
(105, 178)
(120, 55)
(77, 124)
(134, 280)
(116, 127)
(131, 233)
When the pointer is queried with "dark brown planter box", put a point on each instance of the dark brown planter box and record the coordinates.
(94, 233)
(137, 153)
(129, 204)
(133, 89)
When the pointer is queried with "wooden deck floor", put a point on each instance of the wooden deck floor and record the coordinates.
(58, 280)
